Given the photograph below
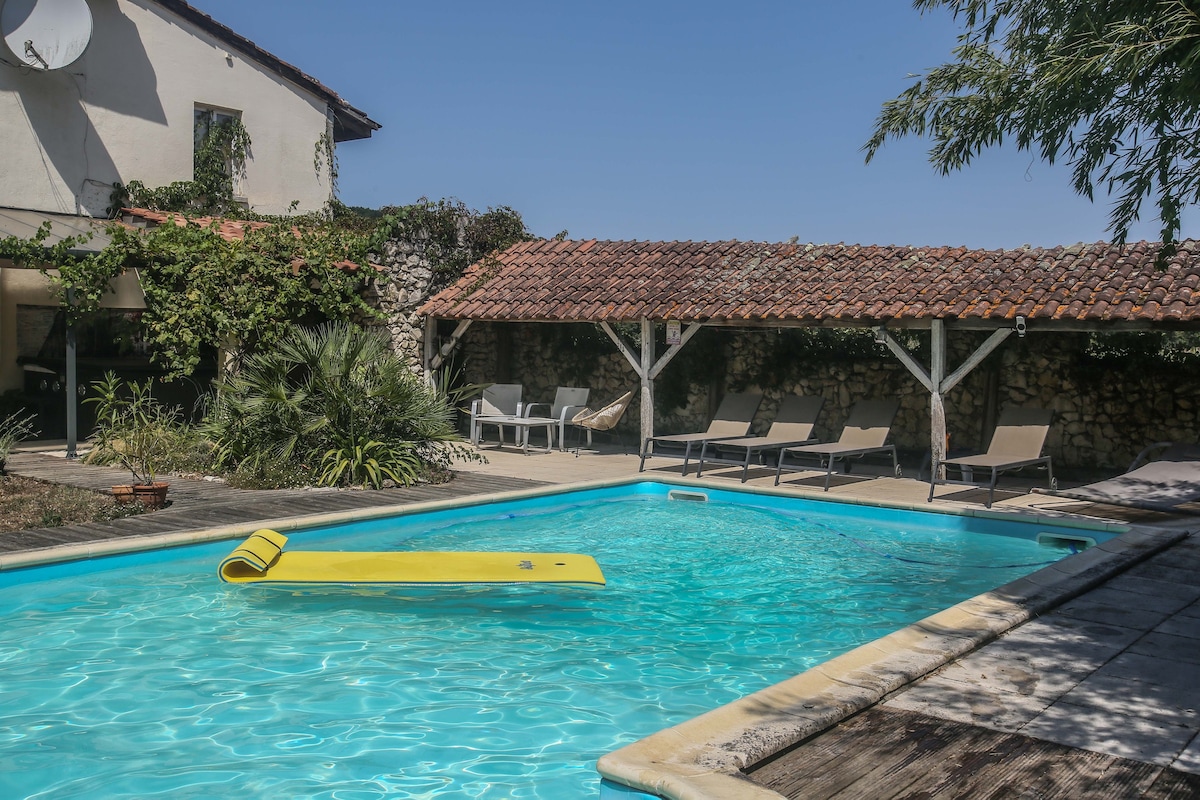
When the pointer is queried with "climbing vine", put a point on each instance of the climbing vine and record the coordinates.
(204, 291)
(325, 153)
(222, 146)
(457, 235)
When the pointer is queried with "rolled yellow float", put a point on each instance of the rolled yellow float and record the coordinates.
(261, 559)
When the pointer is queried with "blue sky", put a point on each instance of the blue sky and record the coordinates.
(661, 119)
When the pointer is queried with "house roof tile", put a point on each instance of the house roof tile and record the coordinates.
(735, 282)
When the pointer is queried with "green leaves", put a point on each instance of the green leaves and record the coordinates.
(453, 236)
(369, 464)
(222, 146)
(1113, 89)
(133, 427)
(204, 291)
(337, 402)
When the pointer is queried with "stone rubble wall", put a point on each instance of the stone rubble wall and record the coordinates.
(410, 281)
(1102, 420)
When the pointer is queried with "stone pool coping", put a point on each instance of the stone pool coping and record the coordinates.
(704, 757)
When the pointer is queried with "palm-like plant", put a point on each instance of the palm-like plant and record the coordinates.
(337, 402)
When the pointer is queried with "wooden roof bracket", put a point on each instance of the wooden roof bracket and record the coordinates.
(434, 360)
(646, 367)
(935, 380)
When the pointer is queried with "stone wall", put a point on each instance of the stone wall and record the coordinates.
(410, 281)
(1103, 415)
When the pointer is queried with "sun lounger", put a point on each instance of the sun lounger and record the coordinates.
(1017, 442)
(732, 421)
(793, 426)
(1164, 484)
(866, 432)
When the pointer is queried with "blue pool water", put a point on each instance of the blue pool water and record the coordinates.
(143, 675)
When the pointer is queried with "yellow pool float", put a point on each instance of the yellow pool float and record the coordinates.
(261, 559)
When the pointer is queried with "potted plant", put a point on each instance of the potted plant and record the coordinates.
(134, 430)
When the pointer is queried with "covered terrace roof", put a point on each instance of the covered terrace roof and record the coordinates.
(755, 283)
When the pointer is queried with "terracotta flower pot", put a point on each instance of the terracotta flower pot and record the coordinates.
(123, 494)
(151, 495)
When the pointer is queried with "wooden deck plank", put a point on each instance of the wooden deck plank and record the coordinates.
(198, 504)
(886, 753)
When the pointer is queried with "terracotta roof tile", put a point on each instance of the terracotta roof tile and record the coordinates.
(782, 283)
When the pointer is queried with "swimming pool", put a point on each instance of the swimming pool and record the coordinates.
(143, 674)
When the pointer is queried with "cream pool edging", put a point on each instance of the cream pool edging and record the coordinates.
(137, 544)
(703, 758)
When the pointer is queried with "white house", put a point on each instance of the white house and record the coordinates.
(125, 109)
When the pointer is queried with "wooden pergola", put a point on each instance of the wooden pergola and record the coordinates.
(884, 288)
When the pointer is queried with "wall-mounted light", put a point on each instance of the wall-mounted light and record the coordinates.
(881, 334)
(1020, 327)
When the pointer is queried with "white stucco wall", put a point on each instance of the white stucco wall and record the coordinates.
(124, 112)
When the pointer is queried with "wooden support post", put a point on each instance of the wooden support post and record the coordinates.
(937, 407)
(448, 348)
(644, 371)
(72, 387)
(937, 383)
(646, 367)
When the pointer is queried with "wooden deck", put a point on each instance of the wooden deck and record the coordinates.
(199, 504)
(885, 754)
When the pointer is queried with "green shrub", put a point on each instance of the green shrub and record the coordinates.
(335, 403)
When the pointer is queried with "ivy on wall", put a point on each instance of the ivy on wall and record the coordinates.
(203, 291)
(221, 150)
(458, 236)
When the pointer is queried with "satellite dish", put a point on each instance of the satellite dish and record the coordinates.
(46, 34)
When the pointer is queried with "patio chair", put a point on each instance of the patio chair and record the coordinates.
(1163, 477)
(1017, 442)
(602, 421)
(499, 403)
(568, 402)
(732, 421)
(865, 433)
(793, 425)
